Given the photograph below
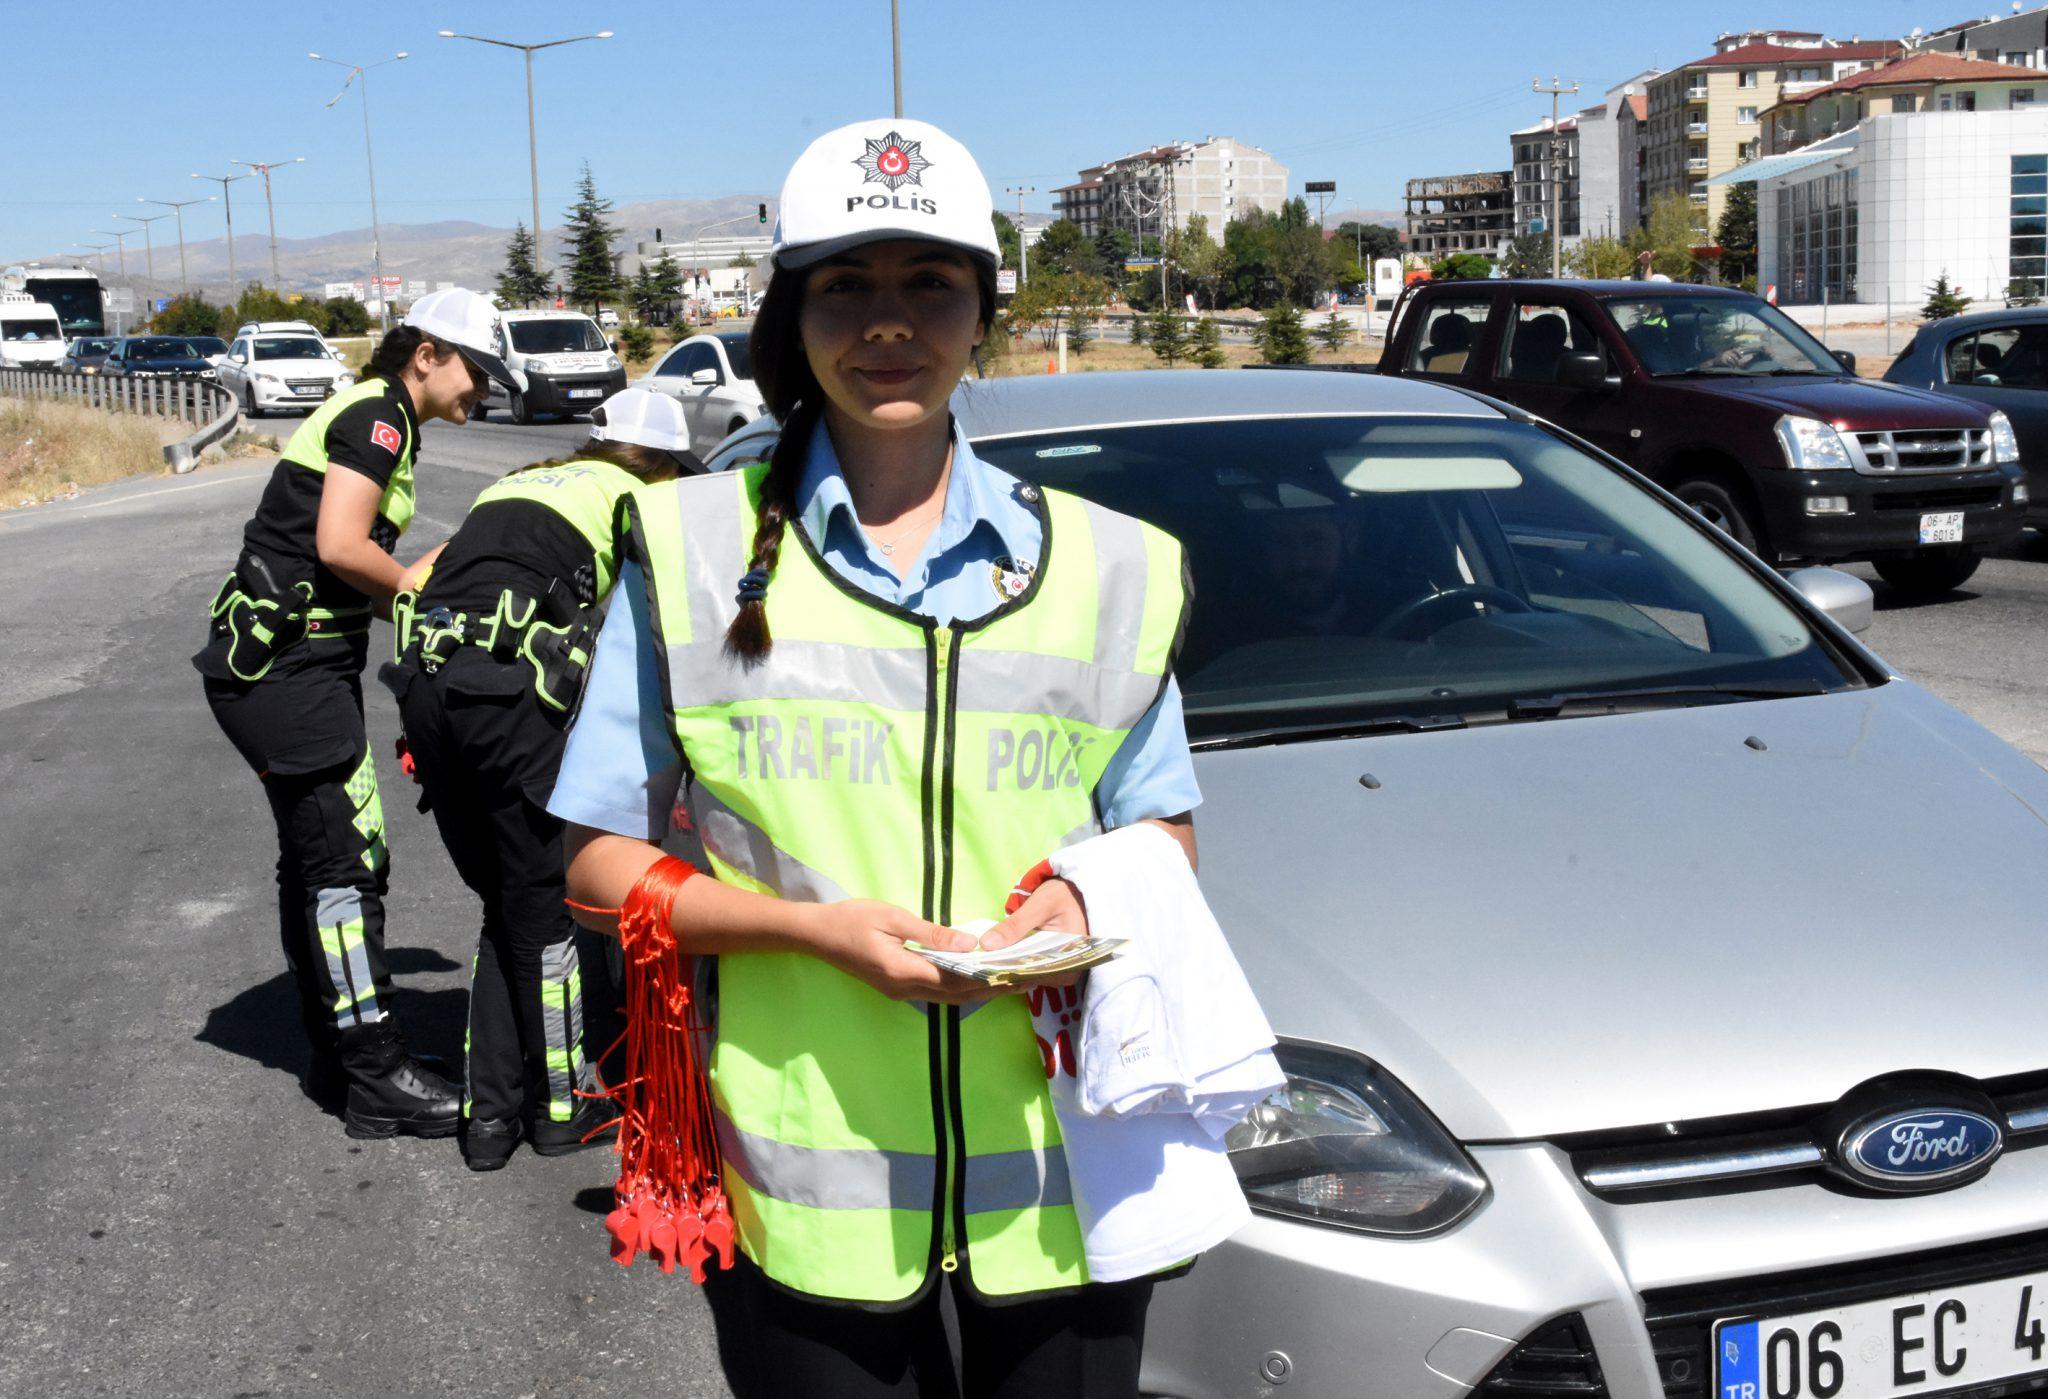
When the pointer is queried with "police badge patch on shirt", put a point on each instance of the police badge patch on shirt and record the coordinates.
(1011, 576)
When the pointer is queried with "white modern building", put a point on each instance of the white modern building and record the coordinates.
(1873, 214)
(1216, 177)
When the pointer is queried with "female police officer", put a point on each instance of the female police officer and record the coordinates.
(836, 646)
(283, 666)
(491, 661)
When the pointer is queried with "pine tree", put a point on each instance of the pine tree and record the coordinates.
(1209, 344)
(1333, 333)
(1943, 300)
(522, 282)
(656, 287)
(1282, 340)
(593, 279)
(1169, 335)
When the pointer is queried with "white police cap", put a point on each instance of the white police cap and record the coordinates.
(881, 179)
(644, 417)
(467, 321)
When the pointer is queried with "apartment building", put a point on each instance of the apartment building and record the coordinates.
(1216, 177)
(1919, 82)
(1546, 169)
(2020, 40)
(1705, 116)
(1631, 131)
(1460, 213)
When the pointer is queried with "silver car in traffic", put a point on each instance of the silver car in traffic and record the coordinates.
(1661, 977)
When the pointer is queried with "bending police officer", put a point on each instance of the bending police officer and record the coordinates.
(283, 664)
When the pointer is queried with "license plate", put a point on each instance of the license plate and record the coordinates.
(1926, 1343)
(310, 391)
(599, 393)
(1945, 528)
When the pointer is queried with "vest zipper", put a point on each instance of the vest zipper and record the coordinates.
(939, 879)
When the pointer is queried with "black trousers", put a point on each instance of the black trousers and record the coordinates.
(302, 732)
(486, 752)
(775, 1344)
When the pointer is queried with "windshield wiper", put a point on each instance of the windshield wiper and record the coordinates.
(1567, 703)
(1335, 728)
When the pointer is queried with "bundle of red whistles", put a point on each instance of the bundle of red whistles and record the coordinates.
(670, 1203)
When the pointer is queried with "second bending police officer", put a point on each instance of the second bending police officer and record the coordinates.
(283, 666)
(491, 668)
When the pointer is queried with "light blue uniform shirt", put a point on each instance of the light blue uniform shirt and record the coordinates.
(620, 771)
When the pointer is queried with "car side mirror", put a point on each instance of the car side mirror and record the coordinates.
(1845, 598)
(1585, 370)
(1846, 359)
(704, 376)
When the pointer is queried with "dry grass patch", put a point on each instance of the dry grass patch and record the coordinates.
(51, 451)
(1029, 357)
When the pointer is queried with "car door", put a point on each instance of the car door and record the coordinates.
(234, 370)
(2005, 367)
(695, 397)
(1536, 333)
(1450, 338)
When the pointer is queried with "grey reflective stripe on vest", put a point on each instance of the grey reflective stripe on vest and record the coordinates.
(892, 677)
(1121, 572)
(866, 1178)
(746, 847)
(1025, 682)
(715, 554)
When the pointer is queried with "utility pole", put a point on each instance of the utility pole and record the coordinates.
(532, 140)
(263, 168)
(234, 285)
(896, 52)
(360, 71)
(1020, 191)
(148, 244)
(178, 207)
(99, 251)
(120, 237)
(1556, 90)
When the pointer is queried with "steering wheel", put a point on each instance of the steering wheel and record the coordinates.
(1425, 616)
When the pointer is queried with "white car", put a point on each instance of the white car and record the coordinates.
(712, 377)
(560, 360)
(29, 334)
(286, 369)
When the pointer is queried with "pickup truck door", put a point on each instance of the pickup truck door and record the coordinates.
(2005, 367)
(1445, 336)
(1536, 334)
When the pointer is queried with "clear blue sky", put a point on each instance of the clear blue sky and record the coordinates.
(103, 103)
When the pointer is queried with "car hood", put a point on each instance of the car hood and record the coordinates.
(1847, 402)
(1578, 924)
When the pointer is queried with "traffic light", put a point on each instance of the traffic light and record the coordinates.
(761, 212)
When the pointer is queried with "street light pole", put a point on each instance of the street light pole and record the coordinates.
(120, 238)
(1020, 191)
(896, 53)
(98, 250)
(178, 207)
(234, 283)
(1556, 90)
(532, 139)
(264, 168)
(148, 244)
(359, 71)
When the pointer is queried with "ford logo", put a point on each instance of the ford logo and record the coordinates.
(1922, 1150)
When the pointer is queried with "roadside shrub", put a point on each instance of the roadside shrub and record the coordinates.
(636, 340)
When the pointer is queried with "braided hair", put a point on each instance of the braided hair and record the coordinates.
(791, 392)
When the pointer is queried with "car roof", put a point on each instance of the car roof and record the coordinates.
(1973, 320)
(1601, 286)
(1016, 407)
(550, 314)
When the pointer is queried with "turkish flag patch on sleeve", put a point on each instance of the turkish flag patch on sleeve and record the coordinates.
(386, 436)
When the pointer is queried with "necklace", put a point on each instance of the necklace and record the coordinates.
(888, 546)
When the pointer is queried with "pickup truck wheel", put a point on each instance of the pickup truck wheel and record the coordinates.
(521, 414)
(1718, 505)
(1928, 575)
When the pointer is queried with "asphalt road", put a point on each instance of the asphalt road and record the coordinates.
(178, 1219)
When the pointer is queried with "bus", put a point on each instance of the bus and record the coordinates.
(72, 292)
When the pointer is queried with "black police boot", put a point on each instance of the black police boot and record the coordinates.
(551, 1138)
(488, 1142)
(325, 1080)
(391, 1092)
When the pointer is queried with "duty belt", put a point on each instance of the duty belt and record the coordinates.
(263, 619)
(513, 631)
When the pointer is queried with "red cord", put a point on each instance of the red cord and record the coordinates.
(670, 1204)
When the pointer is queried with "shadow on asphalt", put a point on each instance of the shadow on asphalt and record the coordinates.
(1886, 598)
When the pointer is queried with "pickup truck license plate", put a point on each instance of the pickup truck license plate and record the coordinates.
(1937, 1342)
(599, 393)
(1945, 528)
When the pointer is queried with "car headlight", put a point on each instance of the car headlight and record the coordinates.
(613, 362)
(344, 379)
(1345, 1144)
(260, 377)
(1812, 445)
(2005, 443)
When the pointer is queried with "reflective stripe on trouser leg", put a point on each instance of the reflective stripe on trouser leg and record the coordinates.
(469, 1043)
(368, 818)
(339, 916)
(561, 1018)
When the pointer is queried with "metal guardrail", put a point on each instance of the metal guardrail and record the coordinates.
(211, 409)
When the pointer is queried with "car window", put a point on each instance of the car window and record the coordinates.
(1541, 335)
(554, 337)
(1717, 335)
(736, 354)
(289, 347)
(1449, 333)
(2011, 357)
(698, 356)
(30, 330)
(672, 363)
(1351, 568)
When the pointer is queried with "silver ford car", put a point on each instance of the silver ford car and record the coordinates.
(1663, 980)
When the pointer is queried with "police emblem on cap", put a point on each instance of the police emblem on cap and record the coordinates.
(891, 161)
(1011, 576)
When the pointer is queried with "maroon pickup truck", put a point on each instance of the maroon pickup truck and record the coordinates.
(1723, 400)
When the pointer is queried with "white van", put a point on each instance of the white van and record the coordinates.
(561, 361)
(30, 337)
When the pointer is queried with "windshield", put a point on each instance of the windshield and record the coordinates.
(76, 300)
(1347, 569)
(1675, 335)
(91, 347)
(290, 347)
(162, 349)
(41, 329)
(735, 347)
(556, 337)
